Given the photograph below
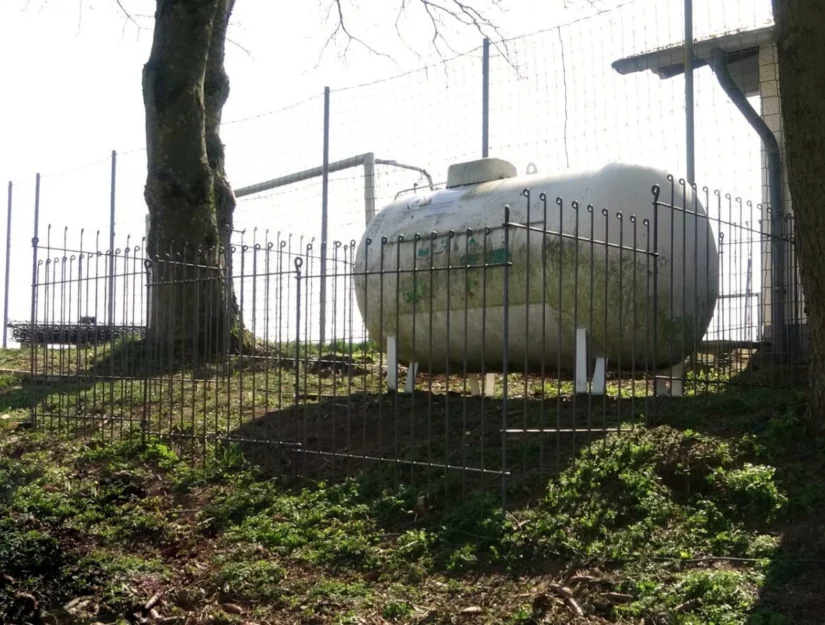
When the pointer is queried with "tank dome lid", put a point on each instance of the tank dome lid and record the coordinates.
(476, 172)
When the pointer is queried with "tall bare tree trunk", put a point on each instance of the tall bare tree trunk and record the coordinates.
(190, 201)
(800, 28)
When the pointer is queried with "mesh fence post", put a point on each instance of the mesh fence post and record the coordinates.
(689, 113)
(32, 342)
(369, 187)
(8, 273)
(485, 99)
(324, 224)
(111, 312)
(505, 354)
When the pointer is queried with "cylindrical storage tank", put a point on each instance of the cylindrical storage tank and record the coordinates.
(640, 277)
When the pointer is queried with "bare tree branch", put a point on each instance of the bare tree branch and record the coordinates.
(28, 2)
(128, 15)
(428, 7)
(240, 47)
(398, 17)
(439, 12)
(466, 15)
(341, 27)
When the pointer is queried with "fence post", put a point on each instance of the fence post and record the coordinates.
(324, 222)
(299, 262)
(32, 336)
(656, 191)
(485, 99)
(689, 119)
(8, 260)
(151, 271)
(505, 355)
(111, 312)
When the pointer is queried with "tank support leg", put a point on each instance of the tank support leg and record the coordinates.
(672, 382)
(412, 371)
(581, 360)
(490, 385)
(474, 382)
(677, 384)
(392, 368)
(392, 364)
(599, 384)
(584, 384)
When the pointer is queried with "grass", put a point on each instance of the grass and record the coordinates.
(709, 509)
(340, 419)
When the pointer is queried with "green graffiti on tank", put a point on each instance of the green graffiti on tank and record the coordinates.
(417, 292)
(608, 291)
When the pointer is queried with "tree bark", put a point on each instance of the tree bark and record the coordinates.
(800, 32)
(189, 198)
(216, 91)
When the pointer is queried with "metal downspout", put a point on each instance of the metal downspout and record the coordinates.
(720, 69)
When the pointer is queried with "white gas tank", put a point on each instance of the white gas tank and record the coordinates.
(430, 270)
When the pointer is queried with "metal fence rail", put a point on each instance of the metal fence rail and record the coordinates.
(452, 360)
(82, 333)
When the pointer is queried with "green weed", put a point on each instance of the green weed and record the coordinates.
(255, 580)
(396, 610)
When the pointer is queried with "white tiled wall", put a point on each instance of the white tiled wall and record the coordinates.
(771, 113)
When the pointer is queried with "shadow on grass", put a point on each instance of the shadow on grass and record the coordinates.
(459, 455)
(443, 444)
(455, 457)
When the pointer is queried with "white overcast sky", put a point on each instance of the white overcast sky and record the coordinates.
(72, 69)
(72, 93)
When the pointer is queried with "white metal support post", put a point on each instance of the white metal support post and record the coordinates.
(671, 382)
(597, 385)
(474, 381)
(392, 364)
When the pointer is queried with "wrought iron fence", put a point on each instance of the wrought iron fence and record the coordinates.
(481, 356)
